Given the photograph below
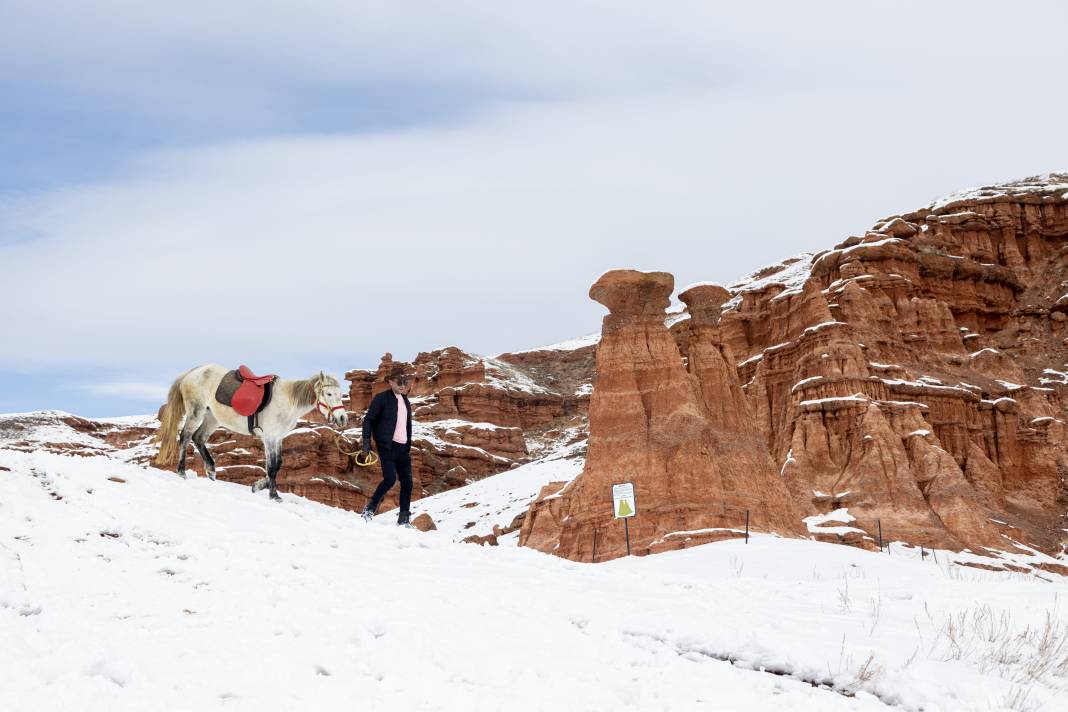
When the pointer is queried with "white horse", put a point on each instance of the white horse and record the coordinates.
(192, 399)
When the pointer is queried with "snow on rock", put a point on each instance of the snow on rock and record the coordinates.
(817, 524)
(1047, 184)
(569, 345)
(126, 588)
(792, 274)
(1058, 377)
(477, 508)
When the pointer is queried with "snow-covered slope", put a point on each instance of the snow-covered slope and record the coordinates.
(124, 588)
(475, 509)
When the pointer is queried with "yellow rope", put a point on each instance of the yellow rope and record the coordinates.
(372, 457)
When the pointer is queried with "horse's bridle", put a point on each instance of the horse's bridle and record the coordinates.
(323, 407)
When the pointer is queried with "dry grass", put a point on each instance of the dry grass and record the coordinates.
(1028, 656)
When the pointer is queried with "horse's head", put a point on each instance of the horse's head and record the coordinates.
(328, 399)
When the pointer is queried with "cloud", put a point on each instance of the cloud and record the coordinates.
(487, 235)
(706, 139)
(128, 390)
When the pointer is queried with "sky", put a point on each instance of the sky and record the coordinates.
(308, 186)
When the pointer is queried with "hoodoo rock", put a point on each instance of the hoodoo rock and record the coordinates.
(697, 463)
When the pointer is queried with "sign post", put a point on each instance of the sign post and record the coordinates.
(623, 506)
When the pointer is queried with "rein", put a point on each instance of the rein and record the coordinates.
(372, 457)
(327, 410)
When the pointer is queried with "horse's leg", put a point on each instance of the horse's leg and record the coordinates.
(200, 439)
(193, 420)
(274, 463)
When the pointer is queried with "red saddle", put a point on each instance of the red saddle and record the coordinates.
(248, 398)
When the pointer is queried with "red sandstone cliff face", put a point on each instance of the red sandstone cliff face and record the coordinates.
(679, 430)
(915, 374)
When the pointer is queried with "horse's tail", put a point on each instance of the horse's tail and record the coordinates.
(170, 417)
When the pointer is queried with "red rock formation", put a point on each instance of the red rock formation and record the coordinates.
(914, 377)
(918, 367)
(681, 433)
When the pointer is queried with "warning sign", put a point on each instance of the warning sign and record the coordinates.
(623, 500)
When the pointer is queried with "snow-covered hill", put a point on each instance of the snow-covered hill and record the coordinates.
(125, 588)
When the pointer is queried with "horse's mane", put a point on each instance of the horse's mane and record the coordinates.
(303, 392)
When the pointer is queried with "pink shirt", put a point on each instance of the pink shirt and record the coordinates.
(400, 433)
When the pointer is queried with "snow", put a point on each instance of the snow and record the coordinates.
(171, 594)
(930, 387)
(823, 325)
(497, 500)
(875, 243)
(792, 276)
(569, 345)
(817, 524)
(911, 404)
(1009, 385)
(426, 432)
(453, 423)
(673, 319)
(510, 378)
(856, 398)
(1060, 377)
(804, 382)
(789, 459)
(1049, 183)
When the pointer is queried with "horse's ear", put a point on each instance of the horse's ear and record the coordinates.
(322, 378)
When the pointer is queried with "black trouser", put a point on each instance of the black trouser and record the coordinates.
(396, 462)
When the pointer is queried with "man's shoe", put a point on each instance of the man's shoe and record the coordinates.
(367, 515)
(403, 520)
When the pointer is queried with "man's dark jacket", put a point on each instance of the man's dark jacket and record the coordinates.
(381, 419)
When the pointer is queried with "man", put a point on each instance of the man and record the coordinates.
(389, 420)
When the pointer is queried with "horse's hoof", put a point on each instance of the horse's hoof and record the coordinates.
(276, 497)
(259, 484)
